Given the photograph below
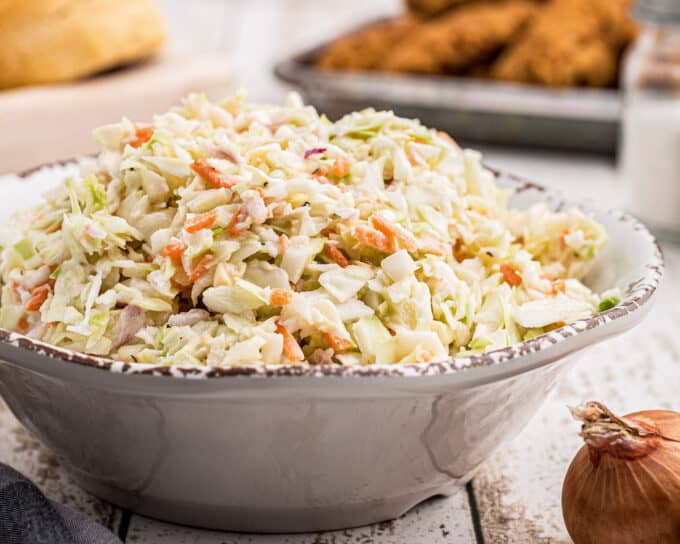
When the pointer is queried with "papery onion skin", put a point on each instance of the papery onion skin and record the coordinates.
(625, 488)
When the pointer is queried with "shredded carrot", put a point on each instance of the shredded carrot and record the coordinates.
(40, 289)
(510, 275)
(447, 138)
(337, 344)
(15, 286)
(142, 135)
(404, 238)
(201, 268)
(410, 158)
(320, 172)
(555, 325)
(559, 286)
(423, 356)
(291, 348)
(458, 252)
(373, 238)
(237, 226)
(201, 221)
(212, 175)
(283, 243)
(341, 167)
(54, 227)
(280, 297)
(38, 296)
(563, 236)
(351, 217)
(332, 252)
(22, 324)
(174, 249)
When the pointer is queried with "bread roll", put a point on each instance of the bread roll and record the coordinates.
(46, 41)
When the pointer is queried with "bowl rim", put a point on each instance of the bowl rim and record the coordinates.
(638, 294)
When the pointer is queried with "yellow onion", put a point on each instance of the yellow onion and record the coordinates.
(623, 486)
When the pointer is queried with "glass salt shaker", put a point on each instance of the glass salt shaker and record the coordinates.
(650, 152)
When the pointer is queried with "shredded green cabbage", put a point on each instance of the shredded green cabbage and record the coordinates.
(236, 234)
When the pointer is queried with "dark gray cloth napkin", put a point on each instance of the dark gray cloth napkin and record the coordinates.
(28, 517)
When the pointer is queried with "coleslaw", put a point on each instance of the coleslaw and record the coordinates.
(237, 234)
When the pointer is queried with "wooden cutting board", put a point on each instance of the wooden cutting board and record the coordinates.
(55, 122)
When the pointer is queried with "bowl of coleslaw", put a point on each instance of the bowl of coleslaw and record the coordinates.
(249, 317)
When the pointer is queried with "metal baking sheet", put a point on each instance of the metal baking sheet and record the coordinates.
(471, 110)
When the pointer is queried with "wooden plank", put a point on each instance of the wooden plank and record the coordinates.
(519, 489)
(23, 452)
(438, 521)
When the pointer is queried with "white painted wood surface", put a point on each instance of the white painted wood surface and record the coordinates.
(22, 451)
(518, 490)
(438, 521)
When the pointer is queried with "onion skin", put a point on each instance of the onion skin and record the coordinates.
(623, 487)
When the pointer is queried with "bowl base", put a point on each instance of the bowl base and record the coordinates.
(263, 520)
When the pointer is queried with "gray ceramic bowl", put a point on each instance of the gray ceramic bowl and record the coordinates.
(299, 449)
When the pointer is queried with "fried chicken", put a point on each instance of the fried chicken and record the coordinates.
(460, 38)
(430, 8)
(365, 49)
(548, 42)
(570, 43)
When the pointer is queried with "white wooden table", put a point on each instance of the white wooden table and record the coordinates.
(515, 497)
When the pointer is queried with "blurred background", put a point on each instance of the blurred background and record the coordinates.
(526, 81)
(257, 34)
(583, 95)
(71, 65)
